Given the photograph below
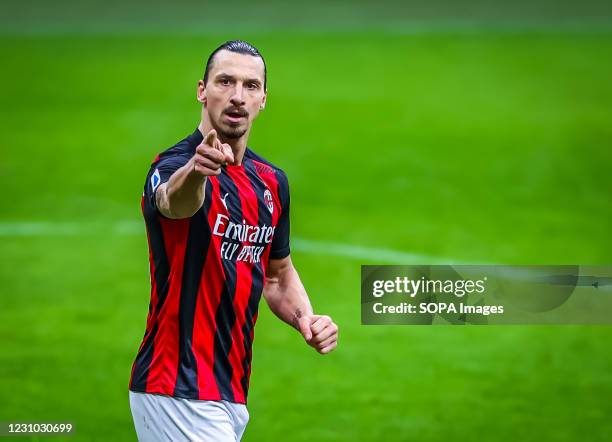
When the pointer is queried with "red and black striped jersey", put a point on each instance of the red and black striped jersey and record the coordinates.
(207, 277)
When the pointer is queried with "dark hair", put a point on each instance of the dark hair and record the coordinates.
(239, 47)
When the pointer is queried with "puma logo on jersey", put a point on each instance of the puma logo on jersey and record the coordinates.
(223, 201)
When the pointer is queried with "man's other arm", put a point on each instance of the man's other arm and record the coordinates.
(287, 298)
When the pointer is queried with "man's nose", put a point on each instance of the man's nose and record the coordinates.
(237, 98)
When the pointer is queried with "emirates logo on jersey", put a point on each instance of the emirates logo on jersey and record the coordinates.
(268, 200)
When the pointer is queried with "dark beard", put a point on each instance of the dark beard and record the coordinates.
(232, 133)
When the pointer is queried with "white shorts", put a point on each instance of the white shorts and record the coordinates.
(166, 418)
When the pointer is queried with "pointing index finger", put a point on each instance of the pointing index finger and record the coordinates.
(210, 138)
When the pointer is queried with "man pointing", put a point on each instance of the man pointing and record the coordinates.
(217, 218)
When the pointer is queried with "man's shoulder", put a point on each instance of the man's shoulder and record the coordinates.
(263, 165)
(183, 149)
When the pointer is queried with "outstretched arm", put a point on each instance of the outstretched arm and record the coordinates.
(287, 298)
(183, 194)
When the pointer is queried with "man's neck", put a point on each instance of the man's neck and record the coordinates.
(238, 144)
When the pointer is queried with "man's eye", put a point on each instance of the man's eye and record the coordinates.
(225, 81)
(252, 85)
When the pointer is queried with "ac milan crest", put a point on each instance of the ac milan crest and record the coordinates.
(268, 200)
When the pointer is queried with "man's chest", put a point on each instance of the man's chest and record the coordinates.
(242, 214)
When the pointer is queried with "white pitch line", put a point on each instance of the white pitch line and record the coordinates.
(380, 255)
(303, 245)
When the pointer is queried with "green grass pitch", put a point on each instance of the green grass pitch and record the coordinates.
(481, 147)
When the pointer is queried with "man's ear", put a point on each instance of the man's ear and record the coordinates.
(263, 102)
(201, 93)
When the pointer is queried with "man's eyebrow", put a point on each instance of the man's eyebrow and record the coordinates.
(248, 80)
(223, 74)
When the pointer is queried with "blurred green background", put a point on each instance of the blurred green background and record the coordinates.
(472, 132)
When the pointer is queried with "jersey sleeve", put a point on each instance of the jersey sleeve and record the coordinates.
(159, 173)
(280, 243)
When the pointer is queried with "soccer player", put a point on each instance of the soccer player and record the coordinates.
(217, 219)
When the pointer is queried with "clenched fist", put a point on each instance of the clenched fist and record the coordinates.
(319, 331)
(211, 155)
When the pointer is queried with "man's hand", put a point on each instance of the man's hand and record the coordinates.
(319, 331)
(183, 194)
(211, 155)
